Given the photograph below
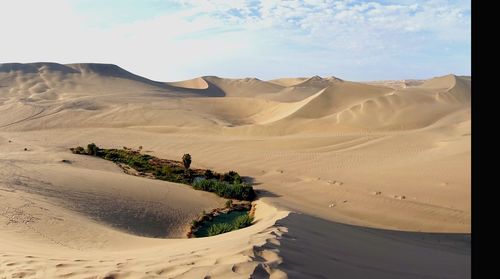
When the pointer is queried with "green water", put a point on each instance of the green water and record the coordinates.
(221, 218)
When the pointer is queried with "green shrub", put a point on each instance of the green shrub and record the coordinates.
(242, 222)
(231, 177)
(223, 189)
(78, 150)
(229, 203)
(171, 177)
(113, 155)
(209, 174)
(138, 165)
(203, 184)
(139, 162)
(243, 191)
(238, 223)
(219, 228)
(177, 170)
(165, 171)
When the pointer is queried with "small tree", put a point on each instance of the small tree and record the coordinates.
(186, 160)
(92, 149)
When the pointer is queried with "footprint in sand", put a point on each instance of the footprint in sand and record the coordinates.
(60, 265)
(335, 182)
(24, 273)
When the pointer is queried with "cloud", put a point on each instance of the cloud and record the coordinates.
(179, 39)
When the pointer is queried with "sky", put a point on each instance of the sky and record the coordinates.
(168, 40)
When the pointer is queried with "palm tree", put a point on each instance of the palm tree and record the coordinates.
(186, 160)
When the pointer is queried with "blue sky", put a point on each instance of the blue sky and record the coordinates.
(179, 39)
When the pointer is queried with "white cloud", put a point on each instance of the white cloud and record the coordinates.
(267, 38)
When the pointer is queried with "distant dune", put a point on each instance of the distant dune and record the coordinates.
(195, 83)
(344, 170)
(315, 81)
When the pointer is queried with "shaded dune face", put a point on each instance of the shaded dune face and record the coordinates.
(139, 217)
(452, 249)
(138, 206)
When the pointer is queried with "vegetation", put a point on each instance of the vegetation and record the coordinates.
(139, 162)
(92, 149)
(194, 223)
(240, 222)
(78, 150)
(231, 177)
(228, 185)
(209, 174)
(172, 174)
(221, 220)
(240, 191)
(219, 228)
(186, 161)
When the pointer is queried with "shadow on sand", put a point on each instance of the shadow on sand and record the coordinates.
(316, 248)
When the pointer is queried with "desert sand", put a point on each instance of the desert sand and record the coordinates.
(355, 179)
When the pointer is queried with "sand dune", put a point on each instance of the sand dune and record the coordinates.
(336, 97)
(344, 169)
(315, 81)
(318, 82)
(196, 83)
(287, 82)
(247, 87)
